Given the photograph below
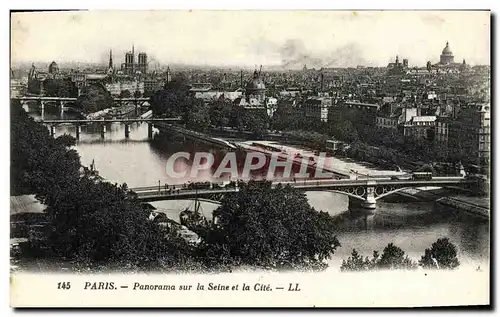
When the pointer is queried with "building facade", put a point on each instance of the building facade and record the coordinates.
(316, 109)
(152, 85)
(130, 67)
(142, 64)
(116, 88)
(420, 127)
(483, 124)
(387, 122)
(446, 56)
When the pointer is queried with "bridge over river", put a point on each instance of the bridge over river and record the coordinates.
(43, 99)
(63, 101)
(79, 122)
(367, 191)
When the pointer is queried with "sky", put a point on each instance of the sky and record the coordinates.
(247, 38)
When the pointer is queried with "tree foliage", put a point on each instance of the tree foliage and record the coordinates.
(394, 257)
(39, 162)
(125, 94)
(94, 98)
(442, 255)
(220, 112)
(172, 100)
(395, 148)
(262, 226)
(196, 115)
(92, 222)
(357, 263)
(255, 121)
(175, 100)
(60, 88)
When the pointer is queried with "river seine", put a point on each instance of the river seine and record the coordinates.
(413, 226)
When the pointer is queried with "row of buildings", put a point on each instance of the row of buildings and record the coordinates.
(131, 76)
(436, 102)
(443, 102)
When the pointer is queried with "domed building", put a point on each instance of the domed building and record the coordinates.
(447, 63)
(53, 68)
(447, 55)
(256, 89)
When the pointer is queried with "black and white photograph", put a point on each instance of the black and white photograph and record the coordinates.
(190, 158)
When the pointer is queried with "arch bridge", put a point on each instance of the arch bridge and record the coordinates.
(80, 122)
(366, 191)
(63, 101)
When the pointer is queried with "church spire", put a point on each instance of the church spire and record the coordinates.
(110, 66)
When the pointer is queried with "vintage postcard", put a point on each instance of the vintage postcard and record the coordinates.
(250, 158)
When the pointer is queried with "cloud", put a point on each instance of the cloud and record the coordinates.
(294, 54)
(348, 55)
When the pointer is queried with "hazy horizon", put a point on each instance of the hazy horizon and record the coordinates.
(290, 39)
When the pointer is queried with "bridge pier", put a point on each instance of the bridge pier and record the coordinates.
(42, 88)
(61, 108)
(42, 106)
(78, 131)
(103, 130)
(23, 104)
(369, 202)
(365, 201)
(150, 130)
(127, 130)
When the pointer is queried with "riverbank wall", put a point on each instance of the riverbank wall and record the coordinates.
(165, 127)
(471, 208)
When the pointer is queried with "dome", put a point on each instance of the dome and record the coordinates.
(53, 68)
(447, 50)
(256, 83)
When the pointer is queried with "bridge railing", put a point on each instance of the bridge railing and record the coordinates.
(186, 190)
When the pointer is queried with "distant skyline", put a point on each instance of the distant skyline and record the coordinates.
(248, 38)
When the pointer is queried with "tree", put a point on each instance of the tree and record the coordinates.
(237, 118)
(196, 115)
(354, 263)
(60, 88)
(92, 221)
(39, 162)
(34, 86)
(442, 255)
(94, 98)
(67, 89)
(347, 131)
(95, 224)
(51, 87)
(220, 112)
(255, 121)
(262, 226)
(137, 94)
(427, 168)
(125, 94)
(172, 100)
(394, 257)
